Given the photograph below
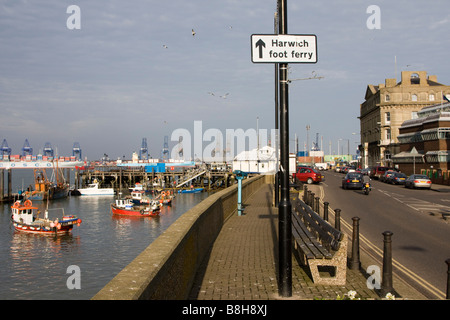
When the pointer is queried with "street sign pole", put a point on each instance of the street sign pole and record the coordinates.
(284, 206)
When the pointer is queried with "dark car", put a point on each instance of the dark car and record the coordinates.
(397, 178)
(387, 174)
(352, 180)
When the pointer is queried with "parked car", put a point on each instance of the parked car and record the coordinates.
(387, 174)
(378, 171)
(352, 180)
(308, 175)
(366, 171)
(418, 181)
(397, 178)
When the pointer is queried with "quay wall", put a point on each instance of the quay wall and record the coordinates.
(166, 269)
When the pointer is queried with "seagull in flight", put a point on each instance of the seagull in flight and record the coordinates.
(193, 32)
(164, 46)
(225, 95)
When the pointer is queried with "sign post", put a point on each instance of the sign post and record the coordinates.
(282, 49)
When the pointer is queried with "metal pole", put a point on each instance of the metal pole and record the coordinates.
(284, 207)
(448, 279)
(355, 264)
(277, 180)
(386, 282)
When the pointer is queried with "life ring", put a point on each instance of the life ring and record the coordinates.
(142, 211)
(28, 203)
(17, 204)
(163, 194)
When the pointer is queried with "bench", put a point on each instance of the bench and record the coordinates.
(319, 245)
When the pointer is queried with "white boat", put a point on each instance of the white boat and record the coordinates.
(94, 190)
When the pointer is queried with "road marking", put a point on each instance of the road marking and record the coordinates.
(379, 252)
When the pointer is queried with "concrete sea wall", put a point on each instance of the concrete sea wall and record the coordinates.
(166, 269)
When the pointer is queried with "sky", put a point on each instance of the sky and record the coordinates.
(116, 72)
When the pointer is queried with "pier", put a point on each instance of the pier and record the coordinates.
(124, 177)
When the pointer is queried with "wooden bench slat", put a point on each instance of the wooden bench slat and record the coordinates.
(324, 229)
(307, 239)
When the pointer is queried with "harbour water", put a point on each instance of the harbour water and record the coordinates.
(40, 267)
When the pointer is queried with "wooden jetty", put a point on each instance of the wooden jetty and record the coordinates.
(123, 178)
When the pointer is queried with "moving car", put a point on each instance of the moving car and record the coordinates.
(308, 175)
(418, 181)
(352, 180)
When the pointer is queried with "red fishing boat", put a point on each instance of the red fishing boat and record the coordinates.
(25, 218)
(126, 207)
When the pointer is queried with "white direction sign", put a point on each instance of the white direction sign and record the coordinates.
(286, 48)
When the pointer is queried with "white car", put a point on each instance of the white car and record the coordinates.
(418, 181)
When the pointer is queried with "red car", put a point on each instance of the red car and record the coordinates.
(308, 175)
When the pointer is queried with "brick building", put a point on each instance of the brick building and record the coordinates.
(425, 141)
(387, 106)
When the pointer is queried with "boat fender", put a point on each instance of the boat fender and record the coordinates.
(79, 222)
(142, 211)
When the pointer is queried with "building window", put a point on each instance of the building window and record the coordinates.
(431, 97)
(387, 98)
(414, 97)
(414, 115)
(388, 134)
(387, 117)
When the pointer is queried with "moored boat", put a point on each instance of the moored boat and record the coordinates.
(165, 197)
(93, 189)
(44, 189)
(126, 207)
(25, 218)
(192, 190)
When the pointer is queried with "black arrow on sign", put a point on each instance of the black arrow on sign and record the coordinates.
(260, 44)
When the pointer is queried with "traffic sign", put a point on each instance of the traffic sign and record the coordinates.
(284, 48)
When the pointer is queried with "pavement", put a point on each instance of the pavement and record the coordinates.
(243, 263)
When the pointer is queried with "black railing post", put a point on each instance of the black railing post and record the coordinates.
(386, 283)
(355, 264)
(305, 193)
(448, 279)
(317, 205)
(337, 219)
(325, 211)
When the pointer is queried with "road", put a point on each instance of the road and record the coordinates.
(421, 234)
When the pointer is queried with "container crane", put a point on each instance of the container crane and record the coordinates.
(4, 149)
(143, 152)
(76, 150)
(165, 150)
(48, 150)
(27, 149)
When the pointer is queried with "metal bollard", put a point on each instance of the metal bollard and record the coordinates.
(311, 200)
(355, 263)
(386, 282)
(317, 205)
(305, 192)
(337, 219)
(308, 198)
(325, 211)
(448, 279)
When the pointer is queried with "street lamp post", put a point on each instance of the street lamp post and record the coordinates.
(284, 207)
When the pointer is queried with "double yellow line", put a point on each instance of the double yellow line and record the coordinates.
(379, 255)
